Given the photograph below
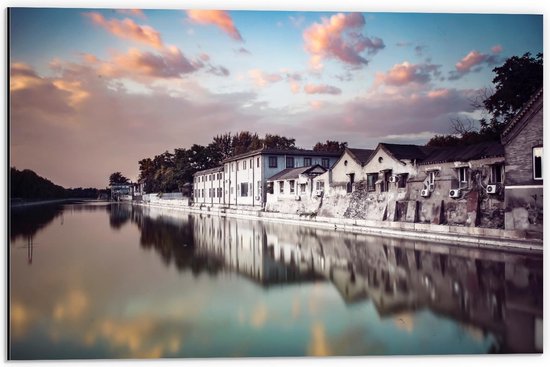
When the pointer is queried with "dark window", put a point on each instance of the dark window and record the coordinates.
(463, 175)
(244, 189)
(289, 162)
(272, 162)
(402, 180)
(537, 163)
(350, 183)
(496, 173)
(281, 187)
(307, 161)
(291, 183)
(371, 181)
(258, 162)
(244, 164)
(325, 162)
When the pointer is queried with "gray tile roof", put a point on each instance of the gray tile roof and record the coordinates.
(362, 155)
(267, 151)
(293, 173)
(465, 153)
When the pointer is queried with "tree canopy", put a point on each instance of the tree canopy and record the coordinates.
(514, 83)
(330, 146)
(117, 178)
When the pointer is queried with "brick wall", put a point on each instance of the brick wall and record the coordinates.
(519, 153)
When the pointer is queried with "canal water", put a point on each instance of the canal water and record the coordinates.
(100, 280)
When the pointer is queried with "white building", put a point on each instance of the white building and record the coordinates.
(208, 186)
(293, 183)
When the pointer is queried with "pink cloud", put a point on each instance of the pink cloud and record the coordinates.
(263, 79)
(338, 38)
(321, 89)
(128, 29)
(496, 49)
(406, 73)
(473, 62)
(132, 12)
(219, 18)
(170, 63)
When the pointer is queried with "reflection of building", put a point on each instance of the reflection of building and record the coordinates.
(122, 192)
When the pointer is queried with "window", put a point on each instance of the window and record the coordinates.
(371, 181)
(244, 164)
(346, 162)
(251, 163)
(272, 162)
(281, 187)
(402, 180)
(289, 162)
(307, 161)
(537, 163)
(270, 187)
(384, 184)
(325, 162)
(244, 189)
(258, 162)
(320, 185)
(496, 173)
(463, 175)
(220, 192)
(259, 188)
(202, 193)
(291, 182)
(302, 188)
(431, 177)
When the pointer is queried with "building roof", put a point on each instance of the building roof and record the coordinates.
(292, 173)
(210, 170)
(407, 151)
(361, 155)
(464, 153)
(519, 116)
(265, 151)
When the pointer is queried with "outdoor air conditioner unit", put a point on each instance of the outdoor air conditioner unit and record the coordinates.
(491, 189)
(454, 193)
(431, 187)
(297, 198)
(257, 198)
(425, 193)
(319, 192)
(394, 178)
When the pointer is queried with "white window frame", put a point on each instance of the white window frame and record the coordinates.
(541, 163)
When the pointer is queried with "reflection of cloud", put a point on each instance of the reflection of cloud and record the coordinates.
(72, 307)
(19, 319)
(259, 316)
(404, 321)
(318, 345)
(295, 308)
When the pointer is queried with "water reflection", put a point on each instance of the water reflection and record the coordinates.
(121, 281)
(486, 291)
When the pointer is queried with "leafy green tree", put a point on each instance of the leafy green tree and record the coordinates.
(278, 142)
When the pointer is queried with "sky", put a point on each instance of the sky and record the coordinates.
(93, 91)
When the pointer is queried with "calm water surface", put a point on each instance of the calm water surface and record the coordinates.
(115, 281)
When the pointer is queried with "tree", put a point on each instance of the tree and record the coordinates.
(514, 84)
(117, 178)
(278, 142)
(330, 146)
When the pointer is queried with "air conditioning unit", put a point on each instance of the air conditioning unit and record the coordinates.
(257, 198)
(491, 189)
(394, 178)
(319, 192)
(431, 187)
(454, 193)
(297, 198)
(424, 193)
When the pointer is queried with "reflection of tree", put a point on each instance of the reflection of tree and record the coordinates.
(119, 214)
(174, 242)
(27, 221)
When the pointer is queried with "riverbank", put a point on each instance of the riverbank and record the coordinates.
(22, 203)
(465, 236)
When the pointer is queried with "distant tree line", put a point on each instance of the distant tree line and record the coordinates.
(26, 184)
(169, 172)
